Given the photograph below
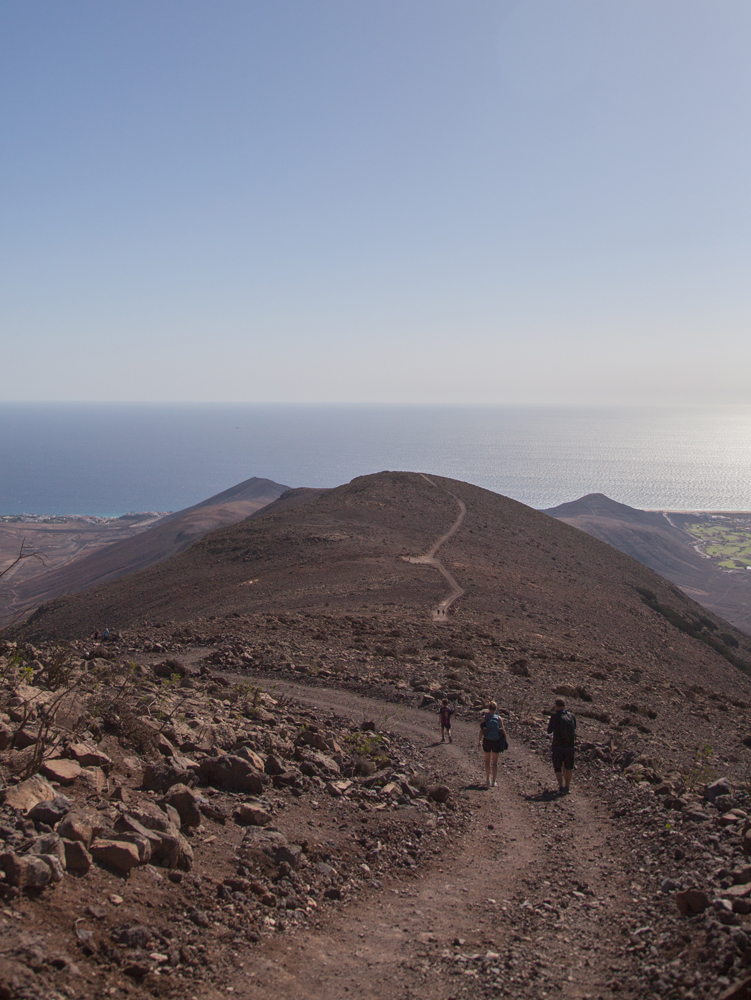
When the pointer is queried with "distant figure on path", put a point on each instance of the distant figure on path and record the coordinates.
(95, 637)
(445, 716)
(562, 724)
(492, 739)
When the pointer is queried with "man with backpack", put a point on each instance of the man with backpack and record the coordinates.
(562, 724)
(493, 740)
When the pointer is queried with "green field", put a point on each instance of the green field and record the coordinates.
(729, 544)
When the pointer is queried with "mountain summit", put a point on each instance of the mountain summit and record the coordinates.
(351, 550)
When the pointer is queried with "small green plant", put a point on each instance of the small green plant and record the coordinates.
(701, 770)
(368, 745)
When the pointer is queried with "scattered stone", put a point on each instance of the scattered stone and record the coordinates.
(117, 855)
(77, 859)
(25, 872)
(184, 800)
(691, 902)
(50, 812)
(251, 814)
(439, 793)
(89, 756)
(234, 774)
(61, 770)
(27, 794)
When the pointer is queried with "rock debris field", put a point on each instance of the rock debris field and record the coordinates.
(189, 831)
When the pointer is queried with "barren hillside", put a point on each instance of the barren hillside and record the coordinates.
(38, 582)
(661, 542)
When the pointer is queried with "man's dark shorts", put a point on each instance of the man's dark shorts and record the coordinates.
(491, 746)
(563, 757)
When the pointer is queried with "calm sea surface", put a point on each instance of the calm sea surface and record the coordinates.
(113, 458)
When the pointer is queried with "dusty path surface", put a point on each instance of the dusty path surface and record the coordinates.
(431, 559)
(521, 906)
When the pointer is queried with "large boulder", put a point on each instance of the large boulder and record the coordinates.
(27, 794)
(49, 844)
(168, 847)
(77, 858)
(439, 793)
(50, 812)
(25, 872)
(160, 776)
(232, 773)
(251, 756)
(251, 814)
(185, 801)
(721, 786)
(692, 901)
(150, 815)
(89, 756)
(312, 738)
(322, 762)
(82, 825)
(117, 855)
(61, 770)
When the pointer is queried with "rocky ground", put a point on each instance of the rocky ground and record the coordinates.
(259, 803)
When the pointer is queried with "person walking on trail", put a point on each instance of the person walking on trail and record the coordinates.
(562, 724)
(492, 738)
(445, 716)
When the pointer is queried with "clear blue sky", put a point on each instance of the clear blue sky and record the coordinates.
(381, 201)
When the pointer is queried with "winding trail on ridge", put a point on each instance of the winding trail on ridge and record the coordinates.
(431, 559)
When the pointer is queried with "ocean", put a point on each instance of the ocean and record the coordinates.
(108, 459)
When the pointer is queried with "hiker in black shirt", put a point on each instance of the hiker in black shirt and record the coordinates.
(562, 724)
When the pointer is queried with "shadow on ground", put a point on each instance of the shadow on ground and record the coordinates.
(546, 796)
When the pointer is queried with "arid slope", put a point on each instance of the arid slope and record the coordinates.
(169, 536)
(662, 543)
(342, 550)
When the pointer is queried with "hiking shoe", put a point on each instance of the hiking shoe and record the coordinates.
(487, 782)
(565, 791)
(561, 790)
(495, 784)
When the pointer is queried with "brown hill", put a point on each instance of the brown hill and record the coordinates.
(344, 549)
(661, 542)
(169, 536)
(316, 589)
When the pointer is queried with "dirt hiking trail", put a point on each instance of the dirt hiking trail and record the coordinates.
(472, 924)
(431, 559)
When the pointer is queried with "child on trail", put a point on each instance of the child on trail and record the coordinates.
(445, 716)
(492, 740)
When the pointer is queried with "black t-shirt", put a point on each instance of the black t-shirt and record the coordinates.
(561, 737)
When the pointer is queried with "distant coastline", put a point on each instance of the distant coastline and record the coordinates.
(113, 458)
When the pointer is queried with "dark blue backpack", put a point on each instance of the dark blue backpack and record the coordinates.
(492, 726)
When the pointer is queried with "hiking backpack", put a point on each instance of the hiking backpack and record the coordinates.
(567, 729)
(492, 726)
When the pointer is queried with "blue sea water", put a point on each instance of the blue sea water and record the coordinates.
(107, 459)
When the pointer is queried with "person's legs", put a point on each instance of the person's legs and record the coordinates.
(568, 767)
(495, 768)
(487, 766)
(558, 766)
(443, 735)
(449, 732)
